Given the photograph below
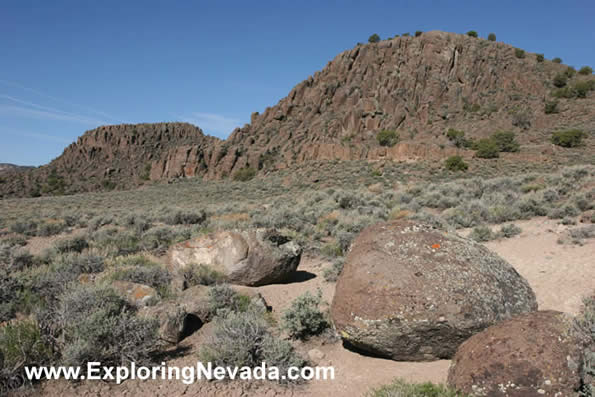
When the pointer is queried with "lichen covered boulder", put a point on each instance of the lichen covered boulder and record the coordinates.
(533, 354)
(252, 257)
(411, 292)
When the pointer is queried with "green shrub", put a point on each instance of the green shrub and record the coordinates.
(586, 70)
(487, 149)
(519, 53)
(456, 163)
(303, 318)
(570, 72)
(10, 289)
(539, 57)
(457, 137)
(244, 174)
(582, 88)
(400, 388)
(244, 339)
(560, 80)
(387, 137)
(418, 33)
(557, 60)
(472, 33)
(568, 138)
(201, 275)
(115, 242)
(565, 92)
(506, 141)
(481, 234)
(374, 38)
(551, 107)
(332, 273)
(21, 345)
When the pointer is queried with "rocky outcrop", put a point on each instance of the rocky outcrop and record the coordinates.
(534, 354)
(410, 292)
(252, 257)
(417, 86)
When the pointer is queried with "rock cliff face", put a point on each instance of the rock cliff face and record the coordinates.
(417, 86)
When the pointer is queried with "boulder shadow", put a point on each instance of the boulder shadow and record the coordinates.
(299, 276)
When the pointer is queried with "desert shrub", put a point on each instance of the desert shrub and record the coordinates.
(331, 250)
(568, 138)
(98, 221)
(387, 137)
(201, 275)
(457, 137)
(21, 345)
(562, 212)
(140, 223)
(510, 230)
(400, 388)
(560, 80)
(96, 324)
(73, 244)
(10, 289)
(26, 227)
(180, 217)
(21, 259)
(50, 228)
(487, 149)
(539, 57)
(374, 38)
(551, 107)
(244, 339)
(332, 273)
(222, 299)
(570, 72)
(586, 322)
(418, 33)
(115, 242)
(456, 163)
(582, 88)
(244, 174)
(519, 53)
(303, 318)
(472, 33)
(586, 70)
(153, 276)
(506, 141)
(481, 234)
(521, 119)
(557, 60)
(565, 92)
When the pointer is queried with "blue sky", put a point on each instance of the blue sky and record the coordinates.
(70, 66)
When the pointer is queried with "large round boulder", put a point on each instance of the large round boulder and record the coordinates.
(411, 292)
(252, 257)
(534, 354)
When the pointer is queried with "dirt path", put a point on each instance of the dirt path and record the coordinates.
(559, 274)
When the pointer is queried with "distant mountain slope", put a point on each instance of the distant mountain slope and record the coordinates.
(7, 167)
(417, 86)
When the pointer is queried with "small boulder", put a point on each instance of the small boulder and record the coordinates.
(173, 321)
(253, 257)
(138, 295)
(411, 292)
(533, 354)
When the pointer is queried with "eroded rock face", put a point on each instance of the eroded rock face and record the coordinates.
(533, 354)
(253, 257)
(410, 292)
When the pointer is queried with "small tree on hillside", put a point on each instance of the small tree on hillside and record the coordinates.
(472, 33)
(374, 38)
(492, 37)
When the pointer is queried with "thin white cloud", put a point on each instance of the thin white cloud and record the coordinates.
(27, 112)
(56, 99)
(45, 108)
(212, 123)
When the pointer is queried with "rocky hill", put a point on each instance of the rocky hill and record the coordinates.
(118, 156)
(418, 87)
(7, 167)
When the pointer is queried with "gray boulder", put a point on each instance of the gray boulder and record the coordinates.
(411, 292)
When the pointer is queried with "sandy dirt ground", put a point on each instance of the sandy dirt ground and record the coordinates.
(560, 274)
